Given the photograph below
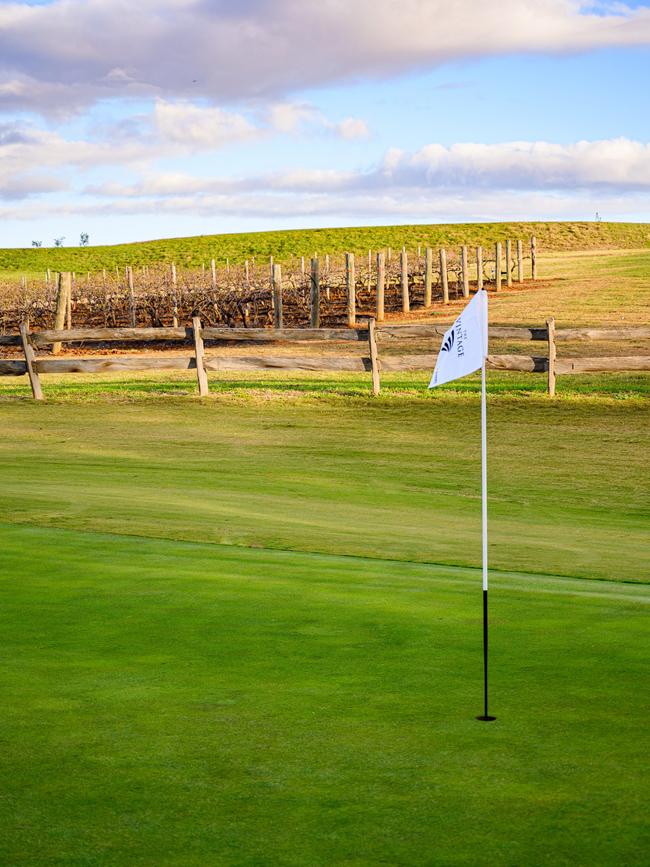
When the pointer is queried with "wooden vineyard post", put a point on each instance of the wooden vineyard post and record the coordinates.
(381, 282)
(444, 280)
(129, 274)
(479, 268)
(508, 263)
(175, 315)
(374, 357)
(464, 271)
(326, 274)
(30, 358)
(497, 266)
(201, 375)
(277, 297)
(552, 356)
(315, 294)
(213, 273)
(64, 289)
(369, 270)
(246, 273)
(428, 276)
(68, 307)
(520, 262)
(533, 257)
(351, 283)
(406, 302)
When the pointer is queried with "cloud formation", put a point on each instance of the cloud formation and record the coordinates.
(70, 53)
(612, 166)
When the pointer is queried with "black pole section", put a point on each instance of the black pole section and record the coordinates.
(485, 717)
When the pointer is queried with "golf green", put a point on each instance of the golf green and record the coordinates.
(180, 703)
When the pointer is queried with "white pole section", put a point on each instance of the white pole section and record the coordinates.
(484, 477)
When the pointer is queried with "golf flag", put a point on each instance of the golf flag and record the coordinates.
(464, 346)
(464, 350)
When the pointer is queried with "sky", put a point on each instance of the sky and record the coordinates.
(167, 118)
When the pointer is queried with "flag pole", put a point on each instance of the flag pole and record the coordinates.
(485, 717)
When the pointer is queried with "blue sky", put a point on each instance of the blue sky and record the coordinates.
(208, 115)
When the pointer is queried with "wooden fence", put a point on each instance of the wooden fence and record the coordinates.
(373, 335)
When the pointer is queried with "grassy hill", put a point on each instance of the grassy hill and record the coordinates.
(283, 244)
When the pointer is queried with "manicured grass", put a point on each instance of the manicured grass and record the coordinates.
(605, 287)
(283, 244)
(186, 704)
(336, 473)
(246, 630)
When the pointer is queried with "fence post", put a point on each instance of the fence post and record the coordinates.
(315, 294)
(381, 281)
(520, 261)
(464, 271)
(406, 301)
(277, 297)
(374, 357)
(213, 273)
(443, 276)
(552, 355)
(64, 289)
(129, 275)
(201, 375)
(246, 273)
(68, 306)
(497, 266)
(351, 284)
(533, 257)
(30, 358)
(479, 268)
(428, 275)
(175, 299)
(508, 263)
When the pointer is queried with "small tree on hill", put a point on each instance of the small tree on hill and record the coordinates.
(37, 243)
(83, 239)
(58, 242)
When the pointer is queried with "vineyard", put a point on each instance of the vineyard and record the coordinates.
(326, 291)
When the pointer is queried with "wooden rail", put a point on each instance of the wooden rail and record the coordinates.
(372, 334)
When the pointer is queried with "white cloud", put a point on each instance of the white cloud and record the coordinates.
(319, 208)
(193, 126)
(353, 127)
(289, 117)
(69, 53)
(617, 164)
(302, 117)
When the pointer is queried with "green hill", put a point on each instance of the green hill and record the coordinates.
(283, 244)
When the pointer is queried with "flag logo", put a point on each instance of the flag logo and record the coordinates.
(448, 345)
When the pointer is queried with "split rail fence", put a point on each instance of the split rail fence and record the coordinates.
(373, 335)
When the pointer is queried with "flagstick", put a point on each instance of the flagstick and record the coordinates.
(485, 717)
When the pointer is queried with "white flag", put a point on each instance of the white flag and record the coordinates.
(464, 346)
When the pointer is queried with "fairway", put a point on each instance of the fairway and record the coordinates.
(177, 703)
